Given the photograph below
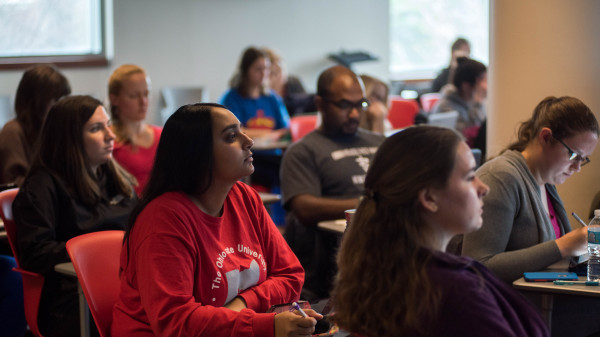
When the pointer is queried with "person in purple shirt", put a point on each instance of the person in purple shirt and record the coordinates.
(395, 278)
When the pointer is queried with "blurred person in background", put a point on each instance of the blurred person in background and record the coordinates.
(40, 87)
(377, 92)
(288, 87)
(460, 48)
(260, 110)
(136, 142)
(466, 96)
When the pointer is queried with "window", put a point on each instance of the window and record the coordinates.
(64, 32)
(422, 31)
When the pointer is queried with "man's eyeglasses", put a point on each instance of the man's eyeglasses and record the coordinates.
(574, 156)
(346, 105)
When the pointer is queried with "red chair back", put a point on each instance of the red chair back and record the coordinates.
(428, 100)
(301, 125)
(95, 257)
(32, 282)
(402, 112)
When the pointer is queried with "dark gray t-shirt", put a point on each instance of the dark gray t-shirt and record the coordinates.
(330, 167)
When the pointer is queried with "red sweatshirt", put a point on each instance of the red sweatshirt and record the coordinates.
(184, 265)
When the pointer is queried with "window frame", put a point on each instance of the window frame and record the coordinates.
(423, 75)
(80, 60)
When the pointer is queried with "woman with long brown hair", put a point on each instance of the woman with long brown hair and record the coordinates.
(74, 187)
(525, 223)
(394, 277)
(40, 87)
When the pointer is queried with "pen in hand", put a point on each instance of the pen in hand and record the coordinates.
(578, 219)
(297, 307)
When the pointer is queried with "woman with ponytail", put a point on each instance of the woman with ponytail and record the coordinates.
(136, 140)
(394, 277)
(525, 225)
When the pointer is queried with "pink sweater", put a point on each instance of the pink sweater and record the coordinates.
(184, 265)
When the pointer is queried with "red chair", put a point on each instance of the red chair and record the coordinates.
(402, 112)
(32, 282)
(95, 257)
(301, 125)
(428, 100)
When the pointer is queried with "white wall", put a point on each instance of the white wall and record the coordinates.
(540, 48)
(199, 42)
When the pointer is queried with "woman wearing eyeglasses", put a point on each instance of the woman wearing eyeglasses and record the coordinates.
(525, 225)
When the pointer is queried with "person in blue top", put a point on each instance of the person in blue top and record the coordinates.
(260, 110)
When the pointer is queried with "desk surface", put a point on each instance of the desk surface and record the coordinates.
(269, 144)
(65, 268)
(269, 198)
(550, 287)
(336, 226)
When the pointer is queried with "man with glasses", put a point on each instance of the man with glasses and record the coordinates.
(322, 175)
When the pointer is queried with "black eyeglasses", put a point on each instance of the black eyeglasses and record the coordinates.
(574, 156)
(346, 105)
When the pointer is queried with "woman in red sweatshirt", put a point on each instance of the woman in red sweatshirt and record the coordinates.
(202, 257)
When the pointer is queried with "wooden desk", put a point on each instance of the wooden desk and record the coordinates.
(337, 226)
(84, 313)
(548, 289)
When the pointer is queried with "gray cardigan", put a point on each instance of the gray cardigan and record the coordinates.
(516, 235)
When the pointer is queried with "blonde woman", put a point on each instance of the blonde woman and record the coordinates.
(136, 142)
(377, 93)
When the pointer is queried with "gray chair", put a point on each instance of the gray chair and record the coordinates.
(445, 119)
(175, 97)
(6, 110)
(477, 156)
